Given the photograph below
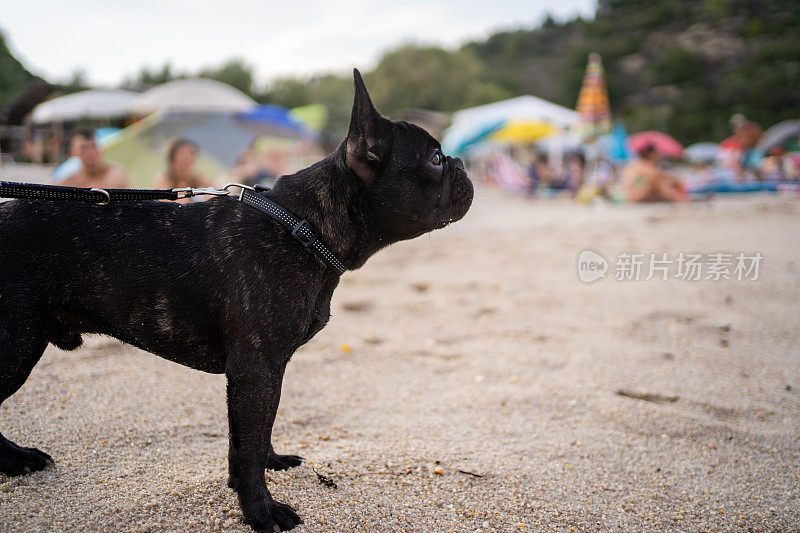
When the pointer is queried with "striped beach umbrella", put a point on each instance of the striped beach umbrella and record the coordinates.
(593, 108)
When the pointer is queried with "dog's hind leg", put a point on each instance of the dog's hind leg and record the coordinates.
(21, 345)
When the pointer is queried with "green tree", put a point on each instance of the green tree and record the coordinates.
(77, 82)
(288, 92)
(146, 76)
(13, 76)
(235, 72)
(430, 78)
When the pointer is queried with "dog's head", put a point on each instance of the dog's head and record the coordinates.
(411, 186)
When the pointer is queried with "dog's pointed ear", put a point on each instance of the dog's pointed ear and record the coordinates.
(369, 139)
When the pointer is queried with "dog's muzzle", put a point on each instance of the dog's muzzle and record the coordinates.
(462, 191)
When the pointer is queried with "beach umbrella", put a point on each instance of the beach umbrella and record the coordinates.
(92, 104)
(221, 137)
(475, 137)
(702, 152)
(523, 131)
(663, 143)
(779, 134)
(594, 110)
(275, 120)
(474, 124)
(194, 94)
(141, 148)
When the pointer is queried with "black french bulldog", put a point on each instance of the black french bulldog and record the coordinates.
(218, 286)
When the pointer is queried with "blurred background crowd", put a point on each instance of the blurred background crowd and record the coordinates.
(667, 101)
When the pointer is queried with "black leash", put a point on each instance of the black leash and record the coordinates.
(30, 191)
(301, 229)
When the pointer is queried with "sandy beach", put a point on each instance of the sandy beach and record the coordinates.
(469, 380)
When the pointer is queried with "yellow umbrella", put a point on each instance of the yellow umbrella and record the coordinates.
(523, 131)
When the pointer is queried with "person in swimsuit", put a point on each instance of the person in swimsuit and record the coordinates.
(180, 171)
(644, 181)
(94, 171)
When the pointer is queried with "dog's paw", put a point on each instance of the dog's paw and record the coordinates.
(269, 515)
(283, 462)
(16, 461)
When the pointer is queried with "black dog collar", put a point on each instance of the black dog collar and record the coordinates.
(301, 230)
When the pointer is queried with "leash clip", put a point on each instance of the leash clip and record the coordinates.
(188, 192)
(241, 186)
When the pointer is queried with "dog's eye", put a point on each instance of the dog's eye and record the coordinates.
(437, 159)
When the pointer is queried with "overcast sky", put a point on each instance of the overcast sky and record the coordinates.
(110, 39)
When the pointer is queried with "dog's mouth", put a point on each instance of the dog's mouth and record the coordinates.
(456, 196)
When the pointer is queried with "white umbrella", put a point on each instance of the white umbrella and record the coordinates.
(779, 134)
(193, 95)
(699, 152)
(94, 104)
(469, 123)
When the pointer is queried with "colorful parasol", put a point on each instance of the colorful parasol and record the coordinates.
(523, 131)
(663, 143)
(593, 108)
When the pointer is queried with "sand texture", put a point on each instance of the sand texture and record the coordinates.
(468, 381)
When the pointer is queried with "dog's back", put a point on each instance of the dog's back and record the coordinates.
(68, 268)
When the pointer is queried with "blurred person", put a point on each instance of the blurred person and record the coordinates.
(751, 160)
(574, 167)
(644, 181)
(739, 152)
(539, 173)
(702, 174)
(53, 146)
(180, 171)
(94, 171)
(793, 145)
(245, 170)
(772, 166)
(599, 182)
(249, 170)
(507, 173)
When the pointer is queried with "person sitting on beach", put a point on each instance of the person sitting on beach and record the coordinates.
(180, 171)
(574, 167)
(94, 171)
(644, 181)
(539, 173)
(740, 152)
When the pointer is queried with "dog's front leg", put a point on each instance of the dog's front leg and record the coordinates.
(277, 461)
(254, 391)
